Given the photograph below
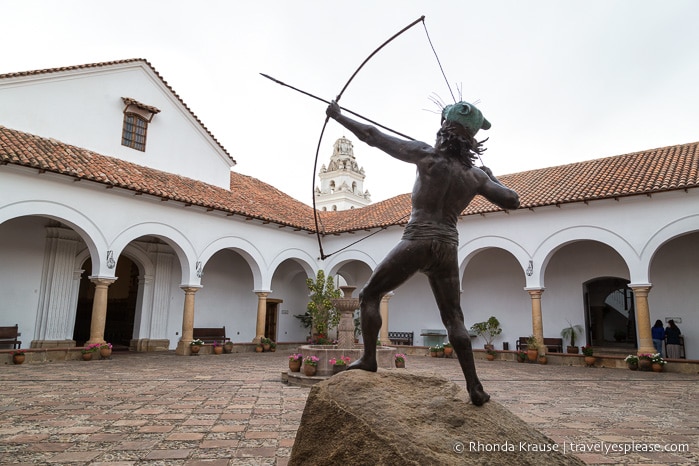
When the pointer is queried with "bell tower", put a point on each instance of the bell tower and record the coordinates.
(342, 182)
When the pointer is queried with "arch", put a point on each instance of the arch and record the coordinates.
(303, 258)
(247, 251)
(666, 233)
(173, 237)
(89, 232)
(349, 255)
(557, 240)
(470, 248)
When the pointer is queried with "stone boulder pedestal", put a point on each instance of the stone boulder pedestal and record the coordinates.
(398, 418)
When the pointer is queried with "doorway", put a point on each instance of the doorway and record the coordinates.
(271, 318)
(121, 305)
(610, 317)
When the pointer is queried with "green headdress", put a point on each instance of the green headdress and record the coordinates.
(467, 115)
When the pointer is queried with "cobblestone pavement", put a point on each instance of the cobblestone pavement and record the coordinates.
(232, 409)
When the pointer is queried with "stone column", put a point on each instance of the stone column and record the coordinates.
(261, 315)
(99, 309)
(645, 338)
(537, 319)
(187, 320)
(383, 311)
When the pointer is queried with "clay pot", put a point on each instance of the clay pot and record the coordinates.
(657, 367)
(590, 361)
(194, 349)
(87, 356)
(295, 365)
(309, 370)
(105, 353)
(18, 358)
(218, 349)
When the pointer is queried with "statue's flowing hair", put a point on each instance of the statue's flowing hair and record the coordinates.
(457, 141)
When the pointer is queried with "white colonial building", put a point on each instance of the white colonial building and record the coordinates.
(120, 219)
(342, 181)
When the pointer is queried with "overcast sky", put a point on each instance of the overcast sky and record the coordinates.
(560, 81)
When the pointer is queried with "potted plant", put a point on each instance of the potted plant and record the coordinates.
(532, 348)
(195, 346)
(228, 347)
(18, 356)
(488, 330)
(588, 352)
(631, 362)
(339, 364)
(266, 343)
(645, 361)
(218, 348)
(399, 360)
(273, 347)
(310, 365)
(448, 349)
(295, 362)
(437, 351)
(658, 363)
(106, 350)
(89, 350)
(521, 356)
(570, 333)
(490, 354)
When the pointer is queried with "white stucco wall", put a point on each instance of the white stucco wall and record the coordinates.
(84, 108)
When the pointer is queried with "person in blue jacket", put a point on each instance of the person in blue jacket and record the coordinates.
(658, 334)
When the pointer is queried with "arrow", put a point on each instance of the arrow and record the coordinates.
(343, 108)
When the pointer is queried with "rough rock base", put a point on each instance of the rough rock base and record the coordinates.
(397, 418)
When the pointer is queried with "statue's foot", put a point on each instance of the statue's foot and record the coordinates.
(368, 365)
(478, 396)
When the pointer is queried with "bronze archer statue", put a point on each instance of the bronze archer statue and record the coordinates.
(447, 181)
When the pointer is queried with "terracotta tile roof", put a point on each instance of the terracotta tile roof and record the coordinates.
(639, 173)
(112, 63)
(248, 196)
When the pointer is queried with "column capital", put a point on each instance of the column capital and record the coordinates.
(535, 292)
(262, 293)
(190, 289)
(104, 281)
(388, 296)
(640, 286)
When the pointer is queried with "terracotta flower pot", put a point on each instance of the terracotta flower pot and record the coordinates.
(657, 367)
(228, 347)
(400, 364)
(194, 349)
(295, 365)
(87, 356)
(590, 361)
(309, 370)
(105, 353)
(645, 364)
(18, 358)
(218, 349)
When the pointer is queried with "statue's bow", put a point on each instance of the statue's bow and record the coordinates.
(421, 19)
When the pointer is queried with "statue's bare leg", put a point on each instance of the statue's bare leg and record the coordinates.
(444, 280)
(395, 269)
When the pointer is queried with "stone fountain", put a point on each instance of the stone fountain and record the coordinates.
(345, 339)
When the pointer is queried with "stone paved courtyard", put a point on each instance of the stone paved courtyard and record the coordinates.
(232, 409)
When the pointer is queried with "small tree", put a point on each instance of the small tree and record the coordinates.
(488, 330)
(323, 314)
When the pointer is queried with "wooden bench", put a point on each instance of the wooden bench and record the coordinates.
(9, 335)
(553, 345)
(401, 338)
(210, 334)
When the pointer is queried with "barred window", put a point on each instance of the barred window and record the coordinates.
(134, 132)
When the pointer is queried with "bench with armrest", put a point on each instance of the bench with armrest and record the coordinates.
(553, 345)
(210, 334)
(9, 335)
(401, 338)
